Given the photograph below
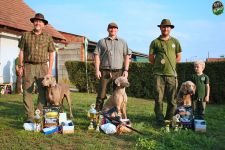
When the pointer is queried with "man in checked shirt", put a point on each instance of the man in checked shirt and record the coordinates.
(36, 49)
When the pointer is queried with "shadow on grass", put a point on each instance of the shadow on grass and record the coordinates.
(80, 119)
(148, 120)
(14, 112)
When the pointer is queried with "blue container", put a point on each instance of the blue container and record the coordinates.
(50, 130)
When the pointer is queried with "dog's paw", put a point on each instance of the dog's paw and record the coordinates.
(71, 116)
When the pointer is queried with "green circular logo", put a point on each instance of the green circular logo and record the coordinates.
(217, 8)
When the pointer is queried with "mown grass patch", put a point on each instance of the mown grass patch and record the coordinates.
(140, 112)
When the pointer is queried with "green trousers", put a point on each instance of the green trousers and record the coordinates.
(34, 73)
(199, 109)
(108, 77)
(165, 87)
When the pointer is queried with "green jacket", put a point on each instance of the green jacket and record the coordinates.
(165, 55)
(200, 81)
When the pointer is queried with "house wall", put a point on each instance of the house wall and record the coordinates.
(8, 52)
(72, 52)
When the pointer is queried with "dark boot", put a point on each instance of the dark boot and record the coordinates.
(99, 104)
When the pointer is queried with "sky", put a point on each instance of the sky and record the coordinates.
(200, 32)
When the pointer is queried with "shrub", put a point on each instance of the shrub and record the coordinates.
(140, 78)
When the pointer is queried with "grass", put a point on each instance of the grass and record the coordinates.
(140, 112)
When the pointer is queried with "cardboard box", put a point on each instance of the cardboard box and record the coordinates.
(50, 114)
(200, 125)
(48, 122)
(68, 130)
(51, 120)
(50, 109)
(68, 127)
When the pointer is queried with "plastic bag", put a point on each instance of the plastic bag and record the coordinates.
(28, 126)
(108, 128)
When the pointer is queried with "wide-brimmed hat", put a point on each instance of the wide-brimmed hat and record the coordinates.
(166, 22)
(39, 16)
(112, 24)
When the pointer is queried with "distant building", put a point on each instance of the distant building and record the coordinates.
(214, 59)
(139, 57)
(73, 51)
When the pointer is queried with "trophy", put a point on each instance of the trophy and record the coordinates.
(177, 122)
(167, 123)
(92, 115)
(37, 120)
(99, 122)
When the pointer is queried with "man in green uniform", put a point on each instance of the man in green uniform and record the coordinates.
(110, 55)
(36, 49)
(164, 53)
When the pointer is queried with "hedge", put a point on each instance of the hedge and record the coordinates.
(140, 78)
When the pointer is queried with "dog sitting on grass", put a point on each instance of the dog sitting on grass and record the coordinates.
(184, 114)
(56, 92)
(185, 93)
(118, 100)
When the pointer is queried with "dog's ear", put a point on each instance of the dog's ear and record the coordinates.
(53, 81)
(180, 93)
(117, 81)
(182, 87)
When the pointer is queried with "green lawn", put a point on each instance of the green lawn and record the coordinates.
(140, 112)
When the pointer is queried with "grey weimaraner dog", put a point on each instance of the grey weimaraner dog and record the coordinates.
(56, 92)
(118, 99)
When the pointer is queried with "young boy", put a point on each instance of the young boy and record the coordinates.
(201, 96)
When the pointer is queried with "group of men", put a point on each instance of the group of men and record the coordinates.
(112, 58)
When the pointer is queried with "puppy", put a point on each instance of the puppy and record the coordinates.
(56, 92)
(118, 99)
(186, 90)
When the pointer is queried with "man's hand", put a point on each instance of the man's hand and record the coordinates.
(98, 74)
(207, 99)
(50, 72)
(125, 73)
(20, 71)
